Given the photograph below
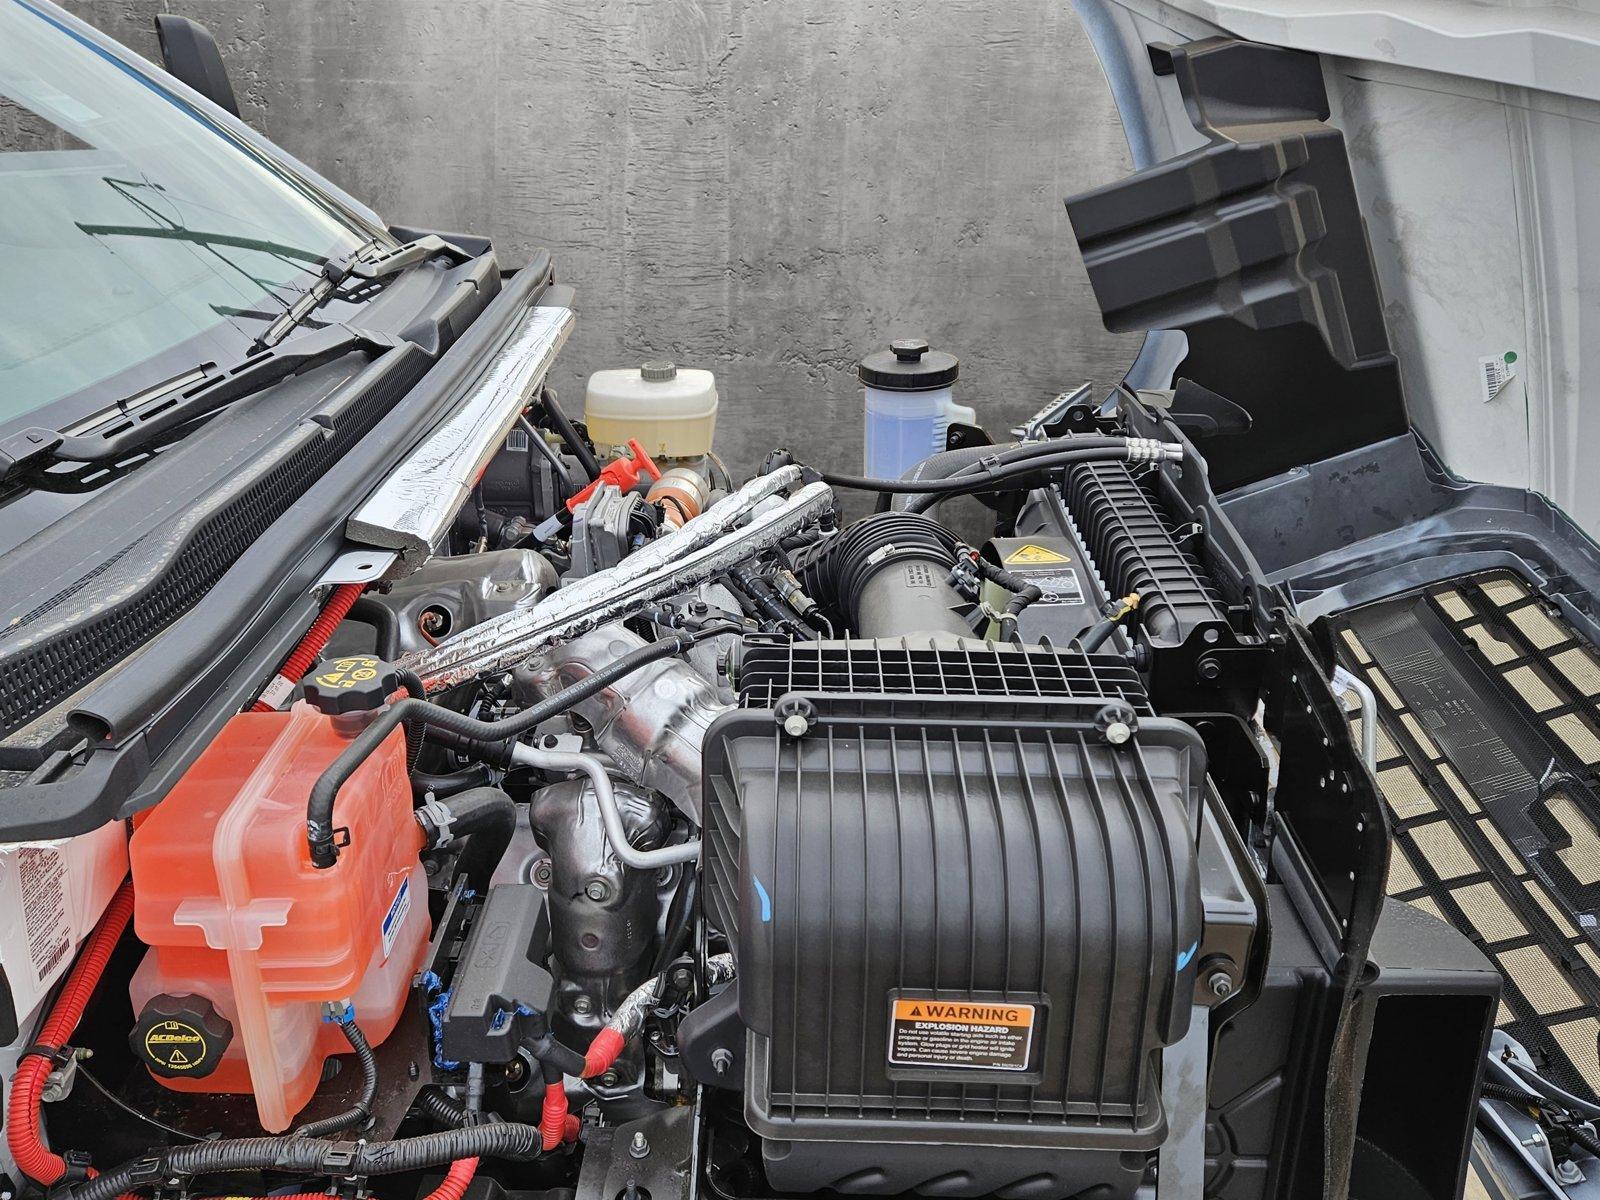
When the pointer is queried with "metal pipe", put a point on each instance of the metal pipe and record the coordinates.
(1349, 681)
(701, 549)
(606, 798)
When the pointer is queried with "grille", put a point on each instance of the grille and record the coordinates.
(1489, 736)
(51, 665)
(884, 667)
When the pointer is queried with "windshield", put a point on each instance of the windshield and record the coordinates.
(131, 225)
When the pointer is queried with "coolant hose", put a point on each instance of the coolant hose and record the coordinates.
(1018, 473)
(303, 655)
(23, 1137)
(382, 618)
(312, 1156)
(319, 808)
(358, 1114)
(569, 435)
(485, 816)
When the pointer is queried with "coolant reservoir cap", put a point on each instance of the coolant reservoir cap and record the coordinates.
(351, 684)
(658, 372)
(908, 365)
(180, 1036)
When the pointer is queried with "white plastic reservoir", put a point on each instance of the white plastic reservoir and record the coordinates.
(909, 405)
(671, 411)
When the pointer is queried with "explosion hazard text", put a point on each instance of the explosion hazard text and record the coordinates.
(960, 1034)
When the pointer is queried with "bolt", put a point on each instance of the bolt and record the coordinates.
(721, 1060)
(413, 1071)
(1567, 1172)
(609, 1079)
(1208, 669)
(542, 872)
(683, 979)
(1221, 984)
(1118, 732)
(795, 725)
(596, 890)
(582, 1005)
(640, 1145)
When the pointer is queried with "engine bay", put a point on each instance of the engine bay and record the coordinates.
(667, 832)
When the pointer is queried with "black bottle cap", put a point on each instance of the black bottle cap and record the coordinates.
(909, 366)
(353, 683)
(180, 1037)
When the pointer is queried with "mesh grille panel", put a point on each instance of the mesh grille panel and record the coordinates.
(1501, 721)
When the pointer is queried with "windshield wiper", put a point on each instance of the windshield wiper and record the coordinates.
(356, 265)
(139, 420)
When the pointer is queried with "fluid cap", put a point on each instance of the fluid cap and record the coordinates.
(658, 372)
(354, 683)
(909, 366)
(180, 1036)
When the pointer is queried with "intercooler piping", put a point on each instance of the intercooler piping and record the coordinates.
(701, 549)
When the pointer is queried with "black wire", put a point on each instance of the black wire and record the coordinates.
(134, 1112)
(569, 435)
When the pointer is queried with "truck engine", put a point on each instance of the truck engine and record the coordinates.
(664, 832)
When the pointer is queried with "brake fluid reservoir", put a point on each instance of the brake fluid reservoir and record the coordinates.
(247, 939)
(909, 405)
(670, 411)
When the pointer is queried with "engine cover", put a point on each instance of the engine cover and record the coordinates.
(964, 925)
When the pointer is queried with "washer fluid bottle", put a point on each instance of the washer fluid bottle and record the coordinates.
(248, 941)
(909, 405)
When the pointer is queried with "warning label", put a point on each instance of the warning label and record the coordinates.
(956, 1033)
(1032, 555)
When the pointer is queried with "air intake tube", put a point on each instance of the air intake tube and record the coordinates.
(888, 575)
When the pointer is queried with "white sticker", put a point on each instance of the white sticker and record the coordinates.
(396, 916)
(1494, 372)
(42, 872)
(276, 692)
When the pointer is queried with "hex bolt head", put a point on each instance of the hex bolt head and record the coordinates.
(1118, 733)
(582, 1005)
(721, 1060)
(639, 1146)
(542, 873)
(596, 890)
(1221, 984)
(795, 725)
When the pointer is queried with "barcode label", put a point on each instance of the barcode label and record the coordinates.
(1494, 372)
(517, 441)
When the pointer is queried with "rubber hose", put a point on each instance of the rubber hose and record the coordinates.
(1016, 476)
(569, 435)
(441, 1108)
(382, 618)
(1104, 447)
(424, 783)
(319, 807)
(360, 1113)
(487, 818)
(311, 1156)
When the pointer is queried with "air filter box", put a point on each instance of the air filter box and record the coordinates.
(965, 928)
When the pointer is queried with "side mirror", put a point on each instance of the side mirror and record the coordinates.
(190, 53)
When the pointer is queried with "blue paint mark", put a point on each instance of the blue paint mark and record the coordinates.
(766, 901)
(1183, 959)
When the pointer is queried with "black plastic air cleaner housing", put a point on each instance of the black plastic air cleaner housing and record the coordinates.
(965, 926)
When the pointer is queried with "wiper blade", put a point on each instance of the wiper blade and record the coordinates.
(141, 419)
(357, 265)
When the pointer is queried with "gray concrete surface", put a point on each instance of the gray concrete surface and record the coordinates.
(766, 188)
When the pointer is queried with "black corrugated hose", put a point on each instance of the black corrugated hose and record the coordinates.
(319, 808)
(314, 1156)
(1022, 592)
(359, 1113)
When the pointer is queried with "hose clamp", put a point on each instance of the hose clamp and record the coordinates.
(437, 815)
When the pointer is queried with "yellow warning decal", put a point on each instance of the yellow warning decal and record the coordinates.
(175, 1046)
(347, 672)
(1032, 556)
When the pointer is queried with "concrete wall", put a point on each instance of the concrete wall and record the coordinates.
(769, 188)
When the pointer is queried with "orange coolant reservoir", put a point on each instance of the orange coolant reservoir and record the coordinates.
(247, 939)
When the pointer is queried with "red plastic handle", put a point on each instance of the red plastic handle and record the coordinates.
(624, 472)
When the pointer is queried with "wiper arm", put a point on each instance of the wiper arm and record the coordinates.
(336, 271)
(186, 400)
